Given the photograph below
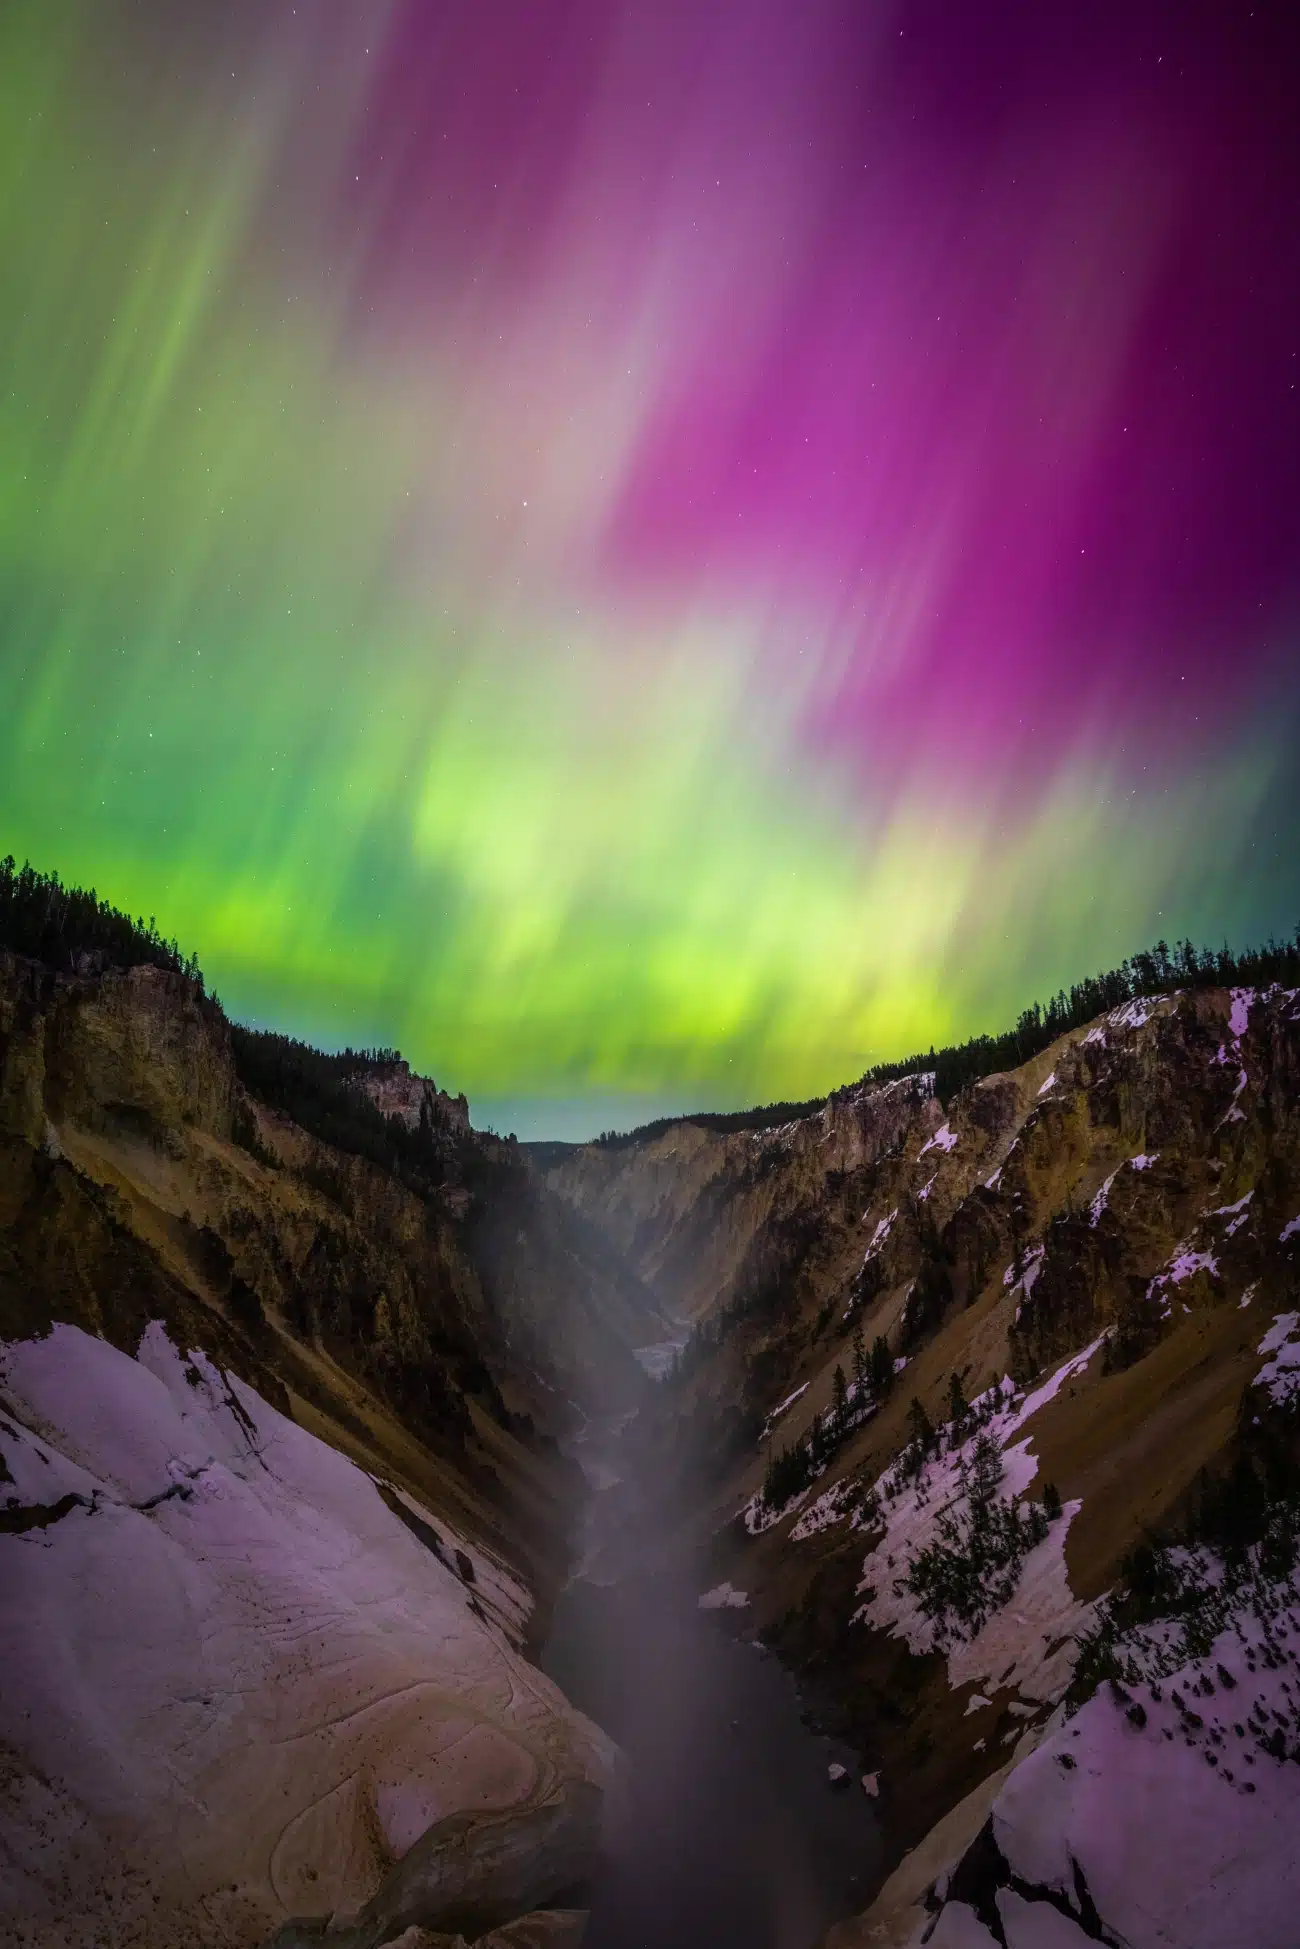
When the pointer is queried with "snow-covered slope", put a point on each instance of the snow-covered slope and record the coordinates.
(235, 1685)
(1165, 1812)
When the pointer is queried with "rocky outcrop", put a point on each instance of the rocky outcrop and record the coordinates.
(138, 1048)
(1108, 1238)
(279, 1498)
(482, 1875)
(694, 1210)
(471, 1307)
(396, 1092)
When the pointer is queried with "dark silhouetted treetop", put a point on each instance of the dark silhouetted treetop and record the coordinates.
(75, 931)
(1155, 971)
(316, 1088)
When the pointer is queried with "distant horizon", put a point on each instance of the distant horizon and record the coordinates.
(660, 554)
(582, 1118)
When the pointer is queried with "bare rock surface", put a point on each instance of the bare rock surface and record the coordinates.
(239, 1689)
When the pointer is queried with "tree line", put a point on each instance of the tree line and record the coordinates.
(46, 921)
(1154, 971)
(317, 1090)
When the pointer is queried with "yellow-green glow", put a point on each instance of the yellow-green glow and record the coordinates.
(323, 639)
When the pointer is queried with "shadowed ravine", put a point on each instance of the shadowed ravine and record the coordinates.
(729, 1832)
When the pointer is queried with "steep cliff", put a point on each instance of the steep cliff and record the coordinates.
(1062, 1306)
(279, 1493)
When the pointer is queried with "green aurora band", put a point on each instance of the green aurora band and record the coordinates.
(342, 625)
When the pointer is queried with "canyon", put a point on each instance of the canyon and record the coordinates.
(977, 1415)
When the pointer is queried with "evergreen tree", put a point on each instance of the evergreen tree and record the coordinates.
(920, 1427)
(882, 1366)
(812, 1441)
(957, 1408)
(841, 1399)
(985, 1473)
(1051, 1501)
(861, 1373)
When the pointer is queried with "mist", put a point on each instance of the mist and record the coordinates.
(726, 1828)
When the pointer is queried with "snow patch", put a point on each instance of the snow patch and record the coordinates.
(724, 1597)
(1280, 1373)
(1029, 1643)
(879, 1236)
(1030, 1267)
(1184, 1265)
(944, 1138)
(1236, 1214)
(1288, 1231)
(1049, 1084)
(788, 1402)
(1234, 1113)
(831, 1507)
(1099, 1203)
(1135, 1014)
(1243, 1000)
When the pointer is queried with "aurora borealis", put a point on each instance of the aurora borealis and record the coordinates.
(651, 555)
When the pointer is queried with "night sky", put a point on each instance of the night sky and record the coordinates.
(652, 555)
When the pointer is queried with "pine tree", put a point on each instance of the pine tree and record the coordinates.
(957, 1409)
(841, 1398)
(985, 1473)
(920, 1426)
(1051, 1501)
(861, 1374)
(882, 1366)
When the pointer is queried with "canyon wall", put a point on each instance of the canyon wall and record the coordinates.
(1055, 1487)
(280, 1496)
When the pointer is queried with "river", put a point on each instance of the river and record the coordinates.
(729, 1835)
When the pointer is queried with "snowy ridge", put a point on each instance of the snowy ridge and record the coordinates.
(1102, 1199)
(1169, 1805)
(237, 1685)
(758, 1516)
